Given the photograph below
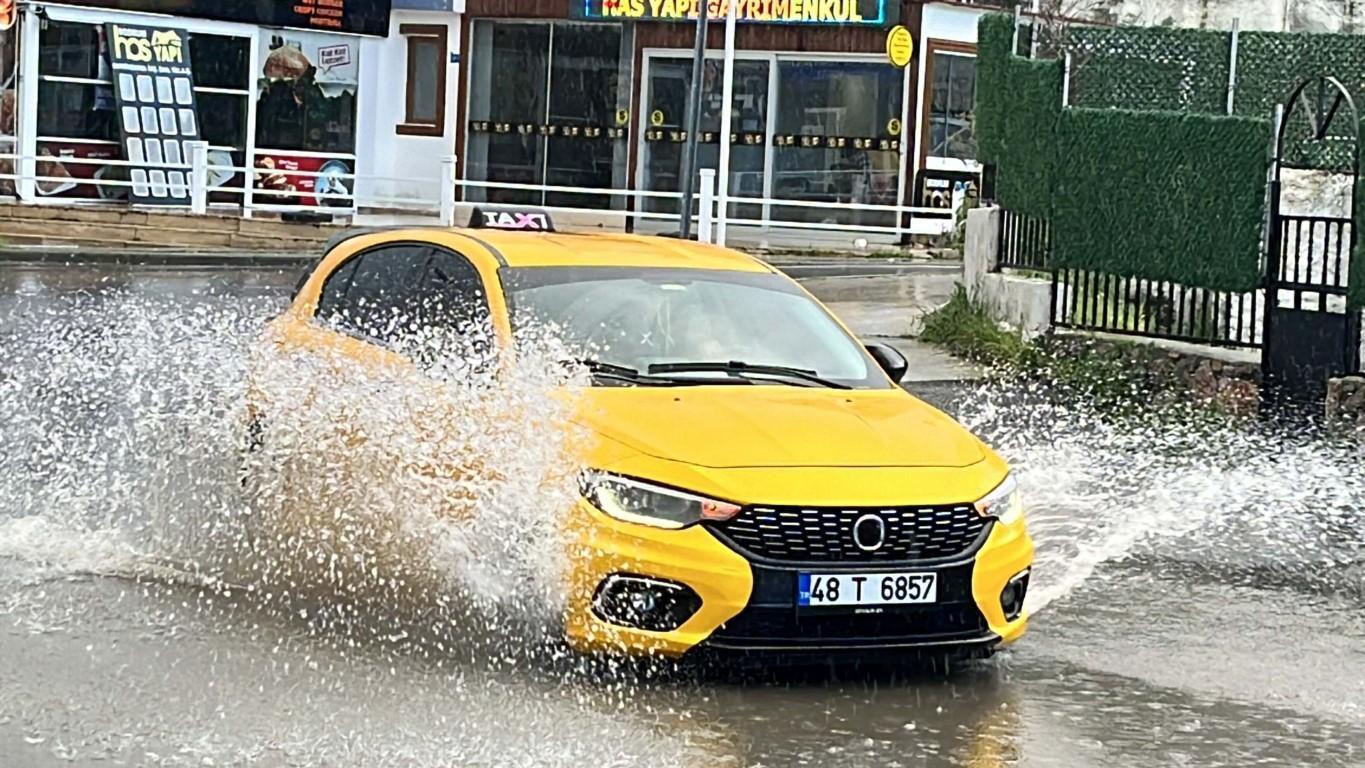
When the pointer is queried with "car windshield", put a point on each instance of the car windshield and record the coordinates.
(643, 318)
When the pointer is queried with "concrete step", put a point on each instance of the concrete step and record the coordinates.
(147, 228)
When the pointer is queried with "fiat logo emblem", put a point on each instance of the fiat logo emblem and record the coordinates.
(869, 533)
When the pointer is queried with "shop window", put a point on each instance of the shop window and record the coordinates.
(68, 49)
(222, 90)
(303, 106)
(221, 62)
(952, 102)
(839, 129)
(9, 67)
(549, 104)
(426, 97)
(306, 119)
(669, 83)
(76, 117)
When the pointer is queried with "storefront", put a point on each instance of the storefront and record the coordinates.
(593, 95)
(275, 87)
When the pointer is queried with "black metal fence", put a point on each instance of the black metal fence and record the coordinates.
(1132, 306)
(1025, 241)
(1096, 301)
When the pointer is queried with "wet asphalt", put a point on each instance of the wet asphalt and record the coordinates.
(1196, 615)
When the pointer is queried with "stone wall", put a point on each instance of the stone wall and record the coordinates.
(1346, 404)
(1167, 372)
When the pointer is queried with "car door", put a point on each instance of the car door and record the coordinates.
(406, 306)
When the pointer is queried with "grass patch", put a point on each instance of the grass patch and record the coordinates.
(1123, 379)
(964, 328)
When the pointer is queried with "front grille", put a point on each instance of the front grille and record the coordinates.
(825, 535)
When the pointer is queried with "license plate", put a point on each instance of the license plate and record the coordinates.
(836, 589)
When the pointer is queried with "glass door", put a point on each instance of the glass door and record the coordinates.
(838, 129)
(668, 81)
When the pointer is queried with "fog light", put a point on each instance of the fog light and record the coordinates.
(640, 602)
(1012, 596)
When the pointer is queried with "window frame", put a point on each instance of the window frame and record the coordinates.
(440, 34)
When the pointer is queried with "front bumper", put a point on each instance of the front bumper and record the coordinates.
(750, 607)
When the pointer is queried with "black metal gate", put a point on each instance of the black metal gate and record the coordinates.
(1310, 335)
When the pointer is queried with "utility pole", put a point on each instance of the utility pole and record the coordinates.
(727, 97)
(692, 126)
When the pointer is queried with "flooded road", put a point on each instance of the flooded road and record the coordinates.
(1198, 596)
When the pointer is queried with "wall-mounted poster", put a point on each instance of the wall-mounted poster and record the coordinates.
(154, 93)
(306, 119)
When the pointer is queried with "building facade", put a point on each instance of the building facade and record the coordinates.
(592, 94)
(538, 99)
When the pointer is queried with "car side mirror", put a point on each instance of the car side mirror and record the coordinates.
(890, 359)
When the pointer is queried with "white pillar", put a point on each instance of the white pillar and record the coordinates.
(448, 191)
(199, 177)
(727, 99)
(902, 179)
(708, 204)
(26, 108)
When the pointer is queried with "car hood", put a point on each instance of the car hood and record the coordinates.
(778, 426)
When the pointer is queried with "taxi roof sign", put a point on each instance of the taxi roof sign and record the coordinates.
(513, 219)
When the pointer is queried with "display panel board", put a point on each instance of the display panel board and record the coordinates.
(154, 94)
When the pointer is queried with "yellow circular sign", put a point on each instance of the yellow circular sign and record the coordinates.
(656, 118)
(622, 117)
(900, 46)
(893, 126)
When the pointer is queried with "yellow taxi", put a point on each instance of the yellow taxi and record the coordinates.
(756, 481)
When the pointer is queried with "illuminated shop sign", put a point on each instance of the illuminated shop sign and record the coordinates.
(863, 12)
(364, 17)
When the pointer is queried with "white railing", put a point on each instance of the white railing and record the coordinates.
(449, 195)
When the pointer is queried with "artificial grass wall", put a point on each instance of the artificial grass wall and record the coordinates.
(1161, 195)
(1018, 103)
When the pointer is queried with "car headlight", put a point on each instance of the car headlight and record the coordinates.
(636, 501)
(1003, 503)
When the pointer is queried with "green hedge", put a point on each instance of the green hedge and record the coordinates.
(1018, 103)
(1161, 195)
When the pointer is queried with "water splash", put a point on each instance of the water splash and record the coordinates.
(1254, 498)
(371, 486)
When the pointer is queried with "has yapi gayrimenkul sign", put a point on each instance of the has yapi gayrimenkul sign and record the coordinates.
(868, 12)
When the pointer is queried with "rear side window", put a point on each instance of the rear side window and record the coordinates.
(396, 293)
(385, 291)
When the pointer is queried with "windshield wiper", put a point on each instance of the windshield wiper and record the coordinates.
(740, 368)
(625, 373)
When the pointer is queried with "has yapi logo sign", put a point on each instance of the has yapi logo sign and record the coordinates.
(146, 46)
(529, 221)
